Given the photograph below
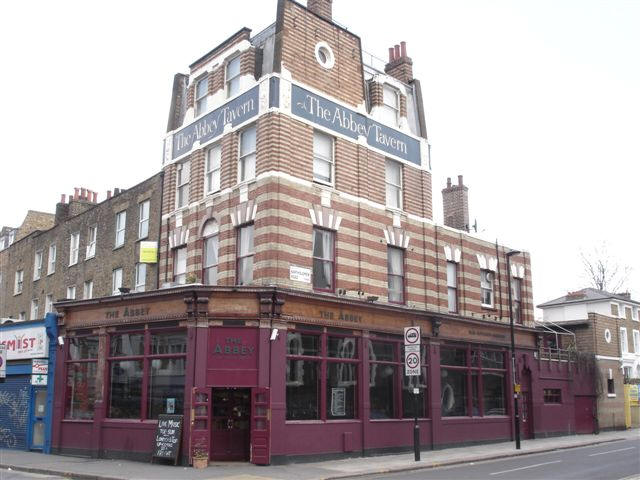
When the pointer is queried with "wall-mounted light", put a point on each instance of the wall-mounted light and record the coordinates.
(60, 340)
(274, 334)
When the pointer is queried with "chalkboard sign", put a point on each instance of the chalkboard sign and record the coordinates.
(168, 435)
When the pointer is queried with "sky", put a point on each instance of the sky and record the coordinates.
(535, 102)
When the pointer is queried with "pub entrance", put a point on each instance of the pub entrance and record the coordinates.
(230, 424)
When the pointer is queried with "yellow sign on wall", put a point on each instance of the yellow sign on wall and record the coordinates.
(148, 252)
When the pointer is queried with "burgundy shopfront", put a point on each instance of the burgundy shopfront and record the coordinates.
(270, 376)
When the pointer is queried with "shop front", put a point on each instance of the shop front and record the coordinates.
(26, 391)
(268, 375)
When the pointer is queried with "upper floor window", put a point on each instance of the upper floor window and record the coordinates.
(245, 253)
(143, 219)
(627, 312)
(452, 286)
(19, 281)
(37, 265)
(232, 76)
(180, 265)
(393, 181)
(247, 158)
(322, 158)
(141, 277)
(202, 90)
(71, 292)
(34, 309)
(74, 248)
(210, 253)
(516, 298)
(486, 287)
(52, 259)
(323, 259)
(212, 169)
(22, 316)
(390, 105)
(636, 341)
(183, 177)
(88, 290)
(624, 345)
(116, 281)
(614, 310)
(92, 236)
(121, 225)
(395, 274)
(48, 303)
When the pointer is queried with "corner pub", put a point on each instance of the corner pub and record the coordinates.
(291, 256)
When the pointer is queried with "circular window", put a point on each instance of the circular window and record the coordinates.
(324, 55)
(607, 335)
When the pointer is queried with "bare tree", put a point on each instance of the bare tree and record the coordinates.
(603, 271)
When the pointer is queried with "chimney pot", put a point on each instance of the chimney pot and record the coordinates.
(63, 198)
(391, 56)
(396, 52)
(75, 193)
(460, 180)
(95, 197)
(448, 182)
(108, 194)
(403, 49)
(83, 193)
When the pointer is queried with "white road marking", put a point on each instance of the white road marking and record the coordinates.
(524, 468)
(612, 451)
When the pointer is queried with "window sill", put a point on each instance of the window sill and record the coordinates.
(15, 294)
(611, 395)
(324, 184)
(398, 210)
(242, 183)
(72, 264)
(118, 247)
(50, 273)
(89, 258)
(489, 308)
(142, 239)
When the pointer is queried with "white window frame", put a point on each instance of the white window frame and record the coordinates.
(116, 280)
(71, 292)
(614, 304)
(92, 237)
(630, 309)
(87, 290)
(34, 309)
(391, 112)
(200, 101)
(636, 341)
(452, 286)
(180, 265)
(37, 264)
(211, 239)
(144, 210)
(51, 264)
(22, 316)
(243, 157)
(211, 170)
(141, 277)
(624, 341)
(48, 303)
(19, 282)
(121, 228)
(232, 84)
(392, 187)
(319, 157)
(183, 181)
(248, 255)
(74, 248)
(487, 284)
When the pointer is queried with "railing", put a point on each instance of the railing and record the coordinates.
(556, 354)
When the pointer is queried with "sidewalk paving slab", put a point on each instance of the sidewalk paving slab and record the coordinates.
(104, 469)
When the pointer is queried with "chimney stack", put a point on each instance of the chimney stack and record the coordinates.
(322, 8)
(455, 203)
(108, 194)
(400, 66)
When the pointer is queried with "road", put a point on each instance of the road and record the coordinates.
(610, 461)
(14, 475)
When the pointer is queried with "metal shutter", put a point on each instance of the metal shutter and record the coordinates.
(14, 411)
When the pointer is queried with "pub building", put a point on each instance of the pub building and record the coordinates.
(297, 242)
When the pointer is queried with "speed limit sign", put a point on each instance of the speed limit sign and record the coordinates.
(412, 351)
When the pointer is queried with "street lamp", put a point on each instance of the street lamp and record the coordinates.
(513, 351)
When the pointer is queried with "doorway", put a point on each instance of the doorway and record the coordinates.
(38, 415)
(230, 419)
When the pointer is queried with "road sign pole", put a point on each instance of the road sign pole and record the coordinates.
(416, 427)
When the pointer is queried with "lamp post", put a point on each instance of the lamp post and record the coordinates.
(513, 351)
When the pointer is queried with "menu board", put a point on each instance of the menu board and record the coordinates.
(167, 439)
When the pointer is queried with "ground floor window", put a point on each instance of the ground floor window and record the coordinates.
(146, 373)
(82, 364)
(552, 395)
(472, 381)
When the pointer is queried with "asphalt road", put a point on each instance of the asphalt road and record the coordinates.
(610, 461)
(13, 475)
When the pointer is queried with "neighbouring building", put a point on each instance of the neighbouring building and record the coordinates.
(607, 327)
(297, 240)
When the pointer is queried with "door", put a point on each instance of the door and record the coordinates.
(260, 426)
(584, 409)
(526, 424)
(38, 414)
(231, 415)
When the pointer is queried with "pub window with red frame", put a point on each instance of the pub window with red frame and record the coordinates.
(324, 259)
(322, 375)
(146, 373)
(395, 274)
(82, 365)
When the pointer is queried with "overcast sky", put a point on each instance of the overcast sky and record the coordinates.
(536, 103)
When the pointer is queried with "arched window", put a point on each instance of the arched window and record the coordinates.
(210, 253)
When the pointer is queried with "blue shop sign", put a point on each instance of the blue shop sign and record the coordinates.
(347, 122)
(237, 111)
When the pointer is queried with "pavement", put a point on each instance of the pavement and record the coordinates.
(103, 469)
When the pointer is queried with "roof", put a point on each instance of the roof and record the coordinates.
(587, 295)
